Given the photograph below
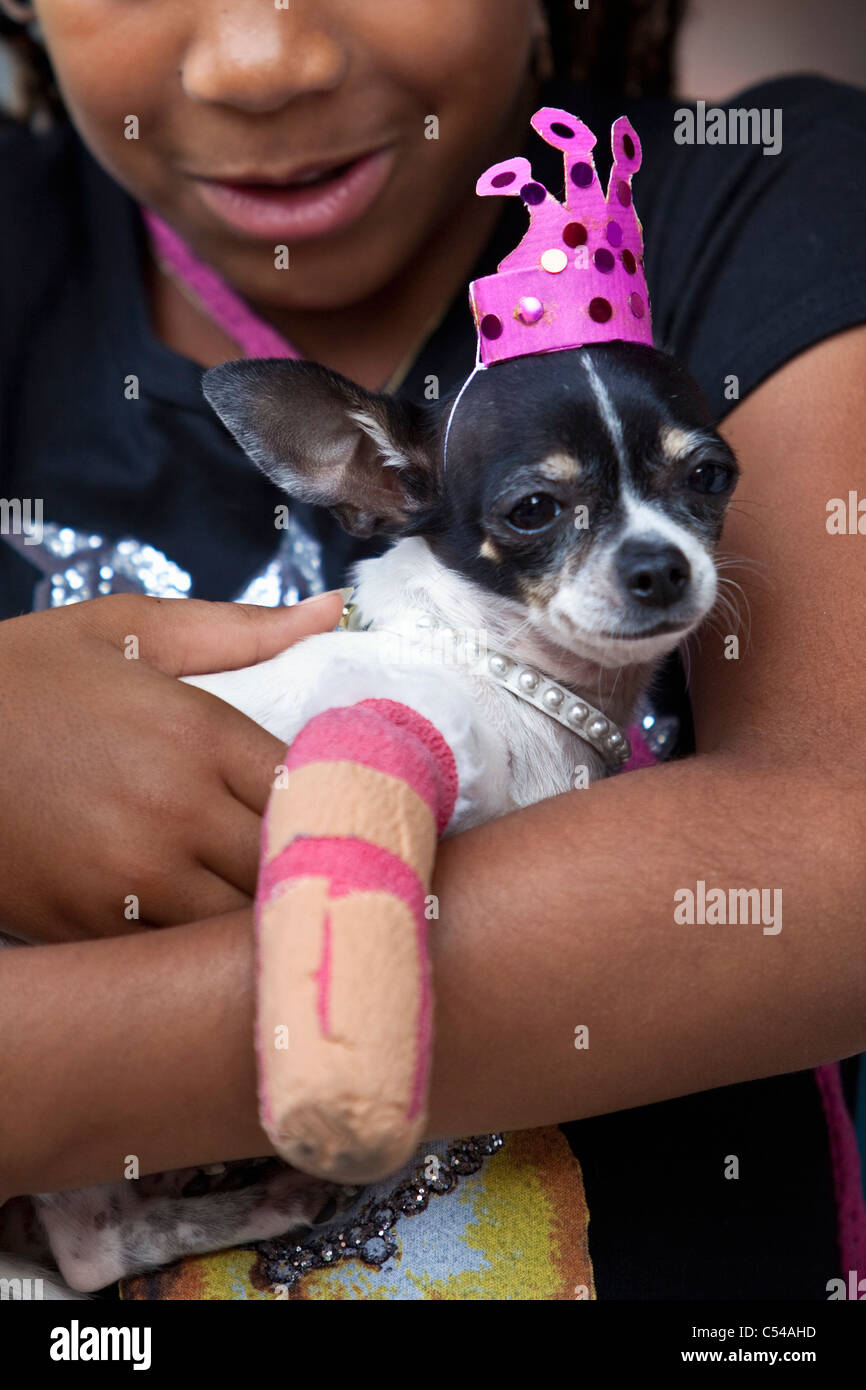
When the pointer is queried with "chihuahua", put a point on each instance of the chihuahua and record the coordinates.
(554, 528)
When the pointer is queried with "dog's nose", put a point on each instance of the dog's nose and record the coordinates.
(653, 572)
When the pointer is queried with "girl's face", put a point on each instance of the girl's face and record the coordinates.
(169, 94)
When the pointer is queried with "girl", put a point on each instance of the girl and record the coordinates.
(134, 254)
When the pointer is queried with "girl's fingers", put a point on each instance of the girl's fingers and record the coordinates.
(191, 637)
(229, 843)
(247, 760)
(200, 893)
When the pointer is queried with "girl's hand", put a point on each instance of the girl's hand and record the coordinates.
(130, 798)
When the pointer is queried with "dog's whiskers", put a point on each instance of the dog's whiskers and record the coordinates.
(728, 606)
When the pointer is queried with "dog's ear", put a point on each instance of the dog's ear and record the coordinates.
(325, 440)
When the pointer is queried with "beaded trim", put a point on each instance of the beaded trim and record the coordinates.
(573, 712)
(528, 683)
(370, 1237)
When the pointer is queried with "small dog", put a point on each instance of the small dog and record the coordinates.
(573, 526)
(571, 523)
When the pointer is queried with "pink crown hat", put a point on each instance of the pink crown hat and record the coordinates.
(577, 276)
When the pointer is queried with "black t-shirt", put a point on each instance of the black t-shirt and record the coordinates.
(750, 259)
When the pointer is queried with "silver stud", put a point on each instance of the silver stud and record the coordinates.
(615, 740)
(597, 727)
(498, 665)
(527, 680)
(553, 697)
(576, 713)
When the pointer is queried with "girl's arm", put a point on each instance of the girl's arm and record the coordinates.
(558, 916)
(564, 915)
(132, 1045)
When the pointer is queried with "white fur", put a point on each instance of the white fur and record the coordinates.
(390, 457)
(507, 753)
(647, 521)
(588, 605)
(607, 411)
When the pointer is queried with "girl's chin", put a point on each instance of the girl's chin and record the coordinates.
(322, 293)
(318, 278)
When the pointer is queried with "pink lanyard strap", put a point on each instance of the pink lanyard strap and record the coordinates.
(253, 335)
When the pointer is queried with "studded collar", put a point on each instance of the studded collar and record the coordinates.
(536, 688)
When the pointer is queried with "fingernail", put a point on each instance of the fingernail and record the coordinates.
(319, 598)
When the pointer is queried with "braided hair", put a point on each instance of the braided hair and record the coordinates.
(622, 49)
(28, 91)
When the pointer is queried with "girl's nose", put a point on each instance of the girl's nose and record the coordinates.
(257, 57)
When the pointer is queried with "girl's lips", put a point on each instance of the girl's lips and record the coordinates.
(302, 212)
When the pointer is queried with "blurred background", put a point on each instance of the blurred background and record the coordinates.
(729, 45)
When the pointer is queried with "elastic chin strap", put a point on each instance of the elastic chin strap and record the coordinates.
(479, 367)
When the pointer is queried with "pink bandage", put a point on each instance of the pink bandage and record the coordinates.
(344, 973)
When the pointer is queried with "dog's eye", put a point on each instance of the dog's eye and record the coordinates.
(535, 512)
(710, 478)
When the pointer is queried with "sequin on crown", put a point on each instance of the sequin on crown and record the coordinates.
(577, 276)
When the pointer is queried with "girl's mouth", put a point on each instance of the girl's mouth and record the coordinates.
(314, 205)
